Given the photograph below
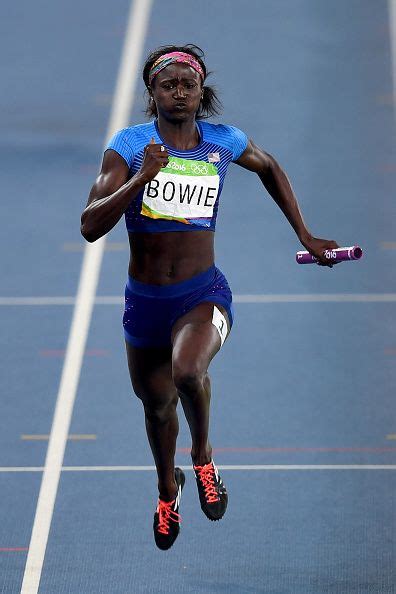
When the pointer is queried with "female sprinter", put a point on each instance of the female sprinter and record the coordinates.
(166, 177)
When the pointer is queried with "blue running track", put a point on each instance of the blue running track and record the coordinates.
(303, 414)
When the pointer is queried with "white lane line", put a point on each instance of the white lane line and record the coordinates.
(240, 467)
(15, 301)
(392, 35)
(259, 298)
(247, 467)
(122, 103)
(21, 468)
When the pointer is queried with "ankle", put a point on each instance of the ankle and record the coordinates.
(167, 492)
(201, 457)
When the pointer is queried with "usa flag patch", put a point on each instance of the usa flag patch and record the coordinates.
(213, 157)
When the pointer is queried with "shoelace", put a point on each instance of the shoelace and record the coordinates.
(166, 514)
(206, 475)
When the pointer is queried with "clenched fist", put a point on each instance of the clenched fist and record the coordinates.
(317, 247)
(155, 158)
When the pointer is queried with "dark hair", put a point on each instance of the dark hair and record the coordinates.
(210, 104)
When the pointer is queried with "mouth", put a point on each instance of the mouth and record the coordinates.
(180, 105)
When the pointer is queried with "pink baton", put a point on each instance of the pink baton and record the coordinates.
(341, 254)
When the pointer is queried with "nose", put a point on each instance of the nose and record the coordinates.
(180, 92)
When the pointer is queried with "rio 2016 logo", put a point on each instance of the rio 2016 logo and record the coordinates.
(177, 166)
(199, 169)
(330, 255)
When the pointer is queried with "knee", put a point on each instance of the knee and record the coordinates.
(160, 413)
(159, 404)
(147, 390)
(188, 380)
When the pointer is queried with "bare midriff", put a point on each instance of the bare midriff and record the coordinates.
(171, 257)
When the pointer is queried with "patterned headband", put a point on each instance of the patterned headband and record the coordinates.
(182, 57)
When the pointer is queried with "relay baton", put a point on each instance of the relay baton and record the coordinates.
(341, 254)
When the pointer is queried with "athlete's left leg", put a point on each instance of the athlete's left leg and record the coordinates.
(195, 341)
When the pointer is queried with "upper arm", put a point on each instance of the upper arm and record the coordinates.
(114, 173)
(255, 159)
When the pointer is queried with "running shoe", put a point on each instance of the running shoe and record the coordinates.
(166, 518)
(212, 492)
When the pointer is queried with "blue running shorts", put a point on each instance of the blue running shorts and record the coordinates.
(151, 310)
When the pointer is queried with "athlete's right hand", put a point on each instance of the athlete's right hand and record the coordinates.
(155, 158)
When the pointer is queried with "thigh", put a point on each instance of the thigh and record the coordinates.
(195, 339)
(150, 370)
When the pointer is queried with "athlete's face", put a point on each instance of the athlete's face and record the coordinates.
(177, 91)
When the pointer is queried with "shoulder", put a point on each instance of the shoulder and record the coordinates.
(129, 141)
(135, 134)
(229, 137)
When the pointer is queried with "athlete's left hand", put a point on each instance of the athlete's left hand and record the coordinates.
(316, 247)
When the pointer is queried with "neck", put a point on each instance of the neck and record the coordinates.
(182, 135)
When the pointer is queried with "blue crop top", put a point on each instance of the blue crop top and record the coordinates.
(184, 196)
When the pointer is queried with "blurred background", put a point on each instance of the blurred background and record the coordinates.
(308, 374)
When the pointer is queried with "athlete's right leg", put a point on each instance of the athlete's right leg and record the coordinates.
(151, 375)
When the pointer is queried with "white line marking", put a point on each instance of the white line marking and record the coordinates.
(247, 467)
(21, 468)
(241, 467)
(392, 35)
(122, 102)
(263, 298)
(12, 301)
(123, 246)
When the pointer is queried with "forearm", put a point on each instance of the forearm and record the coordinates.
(277, 184)
(102, 214)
